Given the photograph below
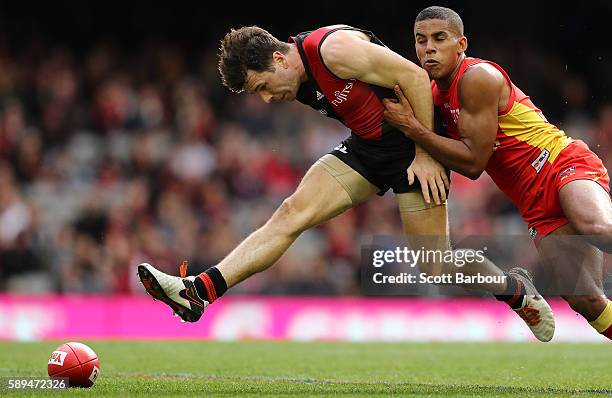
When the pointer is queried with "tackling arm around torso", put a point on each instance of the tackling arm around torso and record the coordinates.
(350, 55)
(482, 91)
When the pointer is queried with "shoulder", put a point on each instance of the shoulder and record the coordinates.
(481, 76)
(480, 84)
(340, 44)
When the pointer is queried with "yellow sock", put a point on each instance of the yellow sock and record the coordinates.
(604, 320)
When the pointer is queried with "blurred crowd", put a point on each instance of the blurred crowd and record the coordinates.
(109, 158)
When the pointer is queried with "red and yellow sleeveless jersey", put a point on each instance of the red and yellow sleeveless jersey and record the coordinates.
(526, 142)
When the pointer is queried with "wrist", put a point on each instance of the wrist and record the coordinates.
(415, 132)
(421, 131)
(418, 151)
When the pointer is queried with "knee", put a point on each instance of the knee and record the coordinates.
(603, 228)
(594, 227)
(582, 304)
(290, 218)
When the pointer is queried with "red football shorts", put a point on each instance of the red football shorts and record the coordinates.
(575, 162)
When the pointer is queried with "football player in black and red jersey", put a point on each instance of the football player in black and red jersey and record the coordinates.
(344, 73)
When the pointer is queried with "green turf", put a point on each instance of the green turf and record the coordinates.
(194, 368)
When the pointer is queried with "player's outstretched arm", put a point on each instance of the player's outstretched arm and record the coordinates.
(351, 55)
(479, 92)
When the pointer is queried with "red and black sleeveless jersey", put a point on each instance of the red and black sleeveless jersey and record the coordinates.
(356, 104)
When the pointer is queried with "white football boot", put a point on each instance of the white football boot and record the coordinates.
(177, 292)
(534, 310)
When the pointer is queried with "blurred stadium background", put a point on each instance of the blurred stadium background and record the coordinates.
(119, 145)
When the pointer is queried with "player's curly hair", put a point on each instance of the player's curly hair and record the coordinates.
(249, 47)
(443, 13)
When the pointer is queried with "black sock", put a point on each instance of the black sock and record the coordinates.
(515, 290)
(210, 284)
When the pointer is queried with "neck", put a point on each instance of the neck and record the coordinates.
(445, 83)
(294, 57)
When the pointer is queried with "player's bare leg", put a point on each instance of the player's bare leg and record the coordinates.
(329, 188)
(576, 268)
(429, 228)
(588, 208)
(422, 224)
(319, 197)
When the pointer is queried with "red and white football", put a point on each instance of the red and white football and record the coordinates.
(76, 361)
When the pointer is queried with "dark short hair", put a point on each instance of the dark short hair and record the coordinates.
(443, 13)
(249, 47)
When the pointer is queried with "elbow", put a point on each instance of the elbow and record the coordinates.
(417, 76)
(422, 74)
(474, 171)
(473, 175)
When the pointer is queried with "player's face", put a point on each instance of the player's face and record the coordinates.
(438, 47)
(281, 84)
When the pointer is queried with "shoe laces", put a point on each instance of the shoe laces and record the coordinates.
(183, 269)
(530, 315)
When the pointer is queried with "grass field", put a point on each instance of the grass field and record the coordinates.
(145, 368)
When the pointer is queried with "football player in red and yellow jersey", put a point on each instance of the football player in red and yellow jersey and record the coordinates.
(559, 186)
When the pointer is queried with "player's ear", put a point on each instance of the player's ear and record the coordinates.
(280, 59)
(462, 44)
